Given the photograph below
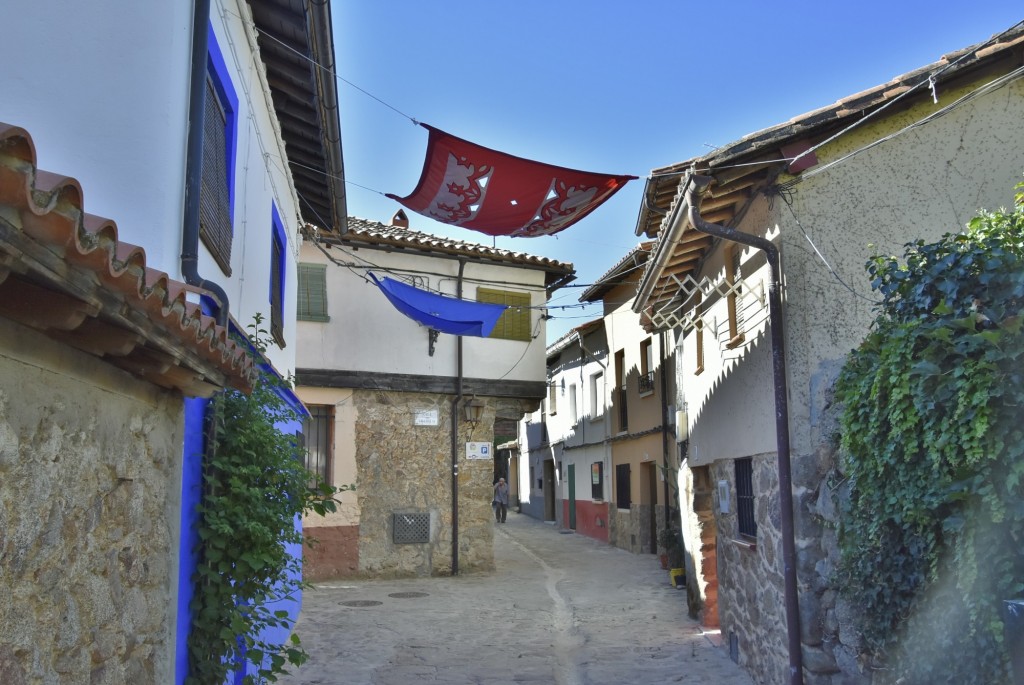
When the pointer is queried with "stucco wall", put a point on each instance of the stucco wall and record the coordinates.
(361, 318)
(89, 477)
(127, 145)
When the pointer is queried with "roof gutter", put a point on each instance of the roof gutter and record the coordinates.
(321, 37)
(694, 187)
(194, 163)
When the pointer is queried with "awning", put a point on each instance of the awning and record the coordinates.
(445, 314)
(484, 190)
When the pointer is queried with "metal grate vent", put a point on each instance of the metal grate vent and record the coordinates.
(411, 529)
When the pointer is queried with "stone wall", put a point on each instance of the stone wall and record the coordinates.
(89, 477)
(751, 608)
(752, 587)
(405, 468)
(629, 529)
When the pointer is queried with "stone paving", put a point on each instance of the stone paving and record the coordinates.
(561, 608)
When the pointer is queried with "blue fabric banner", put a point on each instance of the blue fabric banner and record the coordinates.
(442, 313)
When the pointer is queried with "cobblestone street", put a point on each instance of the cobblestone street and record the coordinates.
(561, 608)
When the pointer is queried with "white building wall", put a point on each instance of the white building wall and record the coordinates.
(366, 333)
(105, 98)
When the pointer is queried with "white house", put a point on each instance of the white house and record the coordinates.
(208, 133)
(758, 271)
(389, 395)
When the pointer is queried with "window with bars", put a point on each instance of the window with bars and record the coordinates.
(312, 299)
(514, 323)
(318, 430)
(218, 166)
(622, 486)
(645, 383)
(552, 397)
(745, 497)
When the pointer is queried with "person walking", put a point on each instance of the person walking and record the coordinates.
(500, 500)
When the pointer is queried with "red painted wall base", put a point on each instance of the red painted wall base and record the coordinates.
(591, 518)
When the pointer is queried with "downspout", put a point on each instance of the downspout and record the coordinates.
(696, 185)
(194, 162)
(664, 421)
(456, 403)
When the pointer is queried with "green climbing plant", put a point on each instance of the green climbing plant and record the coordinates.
(932, 536)
(254, 487)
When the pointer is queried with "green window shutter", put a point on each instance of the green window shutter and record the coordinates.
(514, 324)
(312, 305)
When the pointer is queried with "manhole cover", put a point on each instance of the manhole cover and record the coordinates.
(361, 603)
(408, 595)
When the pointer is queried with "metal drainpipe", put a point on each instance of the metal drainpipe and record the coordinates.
(664, 420)
(696, 186)
(194, 162)
(456, 403)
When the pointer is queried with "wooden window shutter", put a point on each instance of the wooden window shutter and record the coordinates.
(214, 197)
(312, 304)
(514, 324)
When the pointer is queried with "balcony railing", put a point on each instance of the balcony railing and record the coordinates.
(645, 383)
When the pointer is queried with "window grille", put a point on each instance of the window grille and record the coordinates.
(645, 383)
(318, 430)
(745, 497)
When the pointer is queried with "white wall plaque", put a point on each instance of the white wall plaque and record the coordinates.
(478, 450)
(425, 417)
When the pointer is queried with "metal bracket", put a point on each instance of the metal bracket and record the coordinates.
(432, 334)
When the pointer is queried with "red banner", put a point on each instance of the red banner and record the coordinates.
(495, 193)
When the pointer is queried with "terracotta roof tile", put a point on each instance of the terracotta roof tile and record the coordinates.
(100, 295)
(365, 231)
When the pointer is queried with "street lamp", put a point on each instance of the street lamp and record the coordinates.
(473, 409)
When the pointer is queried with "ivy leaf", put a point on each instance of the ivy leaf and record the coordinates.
(926, 368)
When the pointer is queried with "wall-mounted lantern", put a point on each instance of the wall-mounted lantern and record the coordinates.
(473, 409)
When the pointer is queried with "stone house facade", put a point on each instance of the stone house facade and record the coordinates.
(403, 411)
(914, 158)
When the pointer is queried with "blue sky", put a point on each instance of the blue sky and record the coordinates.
(613, 87)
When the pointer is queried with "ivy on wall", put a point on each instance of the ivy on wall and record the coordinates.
(255, 485)
(932, 443)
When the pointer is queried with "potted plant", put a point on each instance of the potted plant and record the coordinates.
(671, 542)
